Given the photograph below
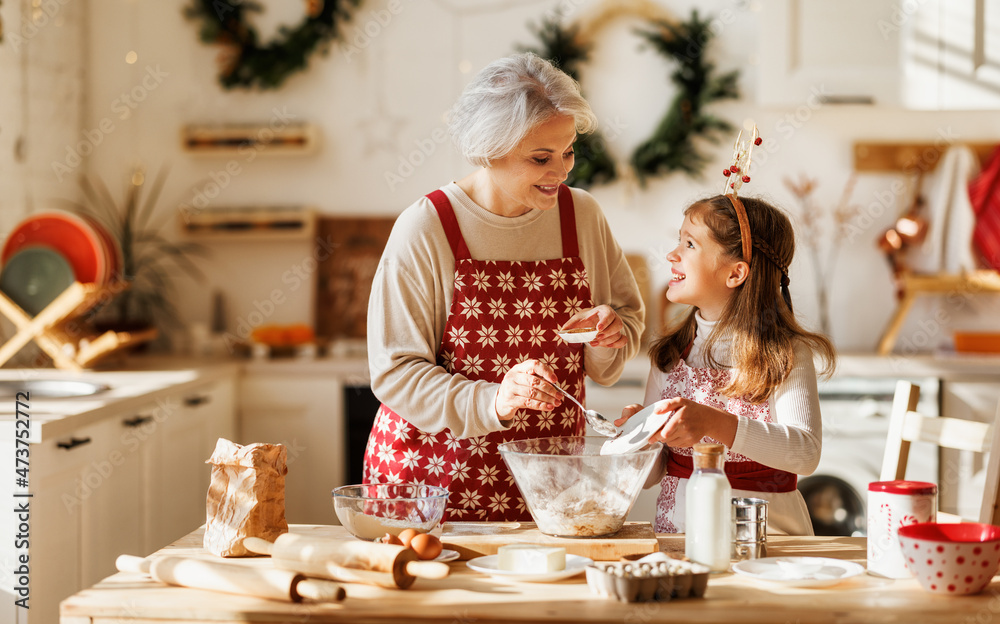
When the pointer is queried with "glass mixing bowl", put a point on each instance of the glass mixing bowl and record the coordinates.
(571, 489)
(370, 510)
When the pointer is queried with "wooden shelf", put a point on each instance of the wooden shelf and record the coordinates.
(873, 157)
(913, 285)
(57, 329)
(241, 140)
(264, 223)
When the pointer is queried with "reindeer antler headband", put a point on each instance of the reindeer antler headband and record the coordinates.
(736, 176)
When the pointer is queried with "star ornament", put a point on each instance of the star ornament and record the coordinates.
(381, 132)
(738, 173)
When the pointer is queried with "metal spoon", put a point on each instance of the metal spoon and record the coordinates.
(596, 420)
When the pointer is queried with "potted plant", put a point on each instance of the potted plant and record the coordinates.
(148, 259)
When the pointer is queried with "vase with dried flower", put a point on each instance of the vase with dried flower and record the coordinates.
(823, 232)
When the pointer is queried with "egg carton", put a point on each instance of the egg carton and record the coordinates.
(655, 577)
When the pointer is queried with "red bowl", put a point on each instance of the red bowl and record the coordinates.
(952, 559)
(112, 251)
(69, 235)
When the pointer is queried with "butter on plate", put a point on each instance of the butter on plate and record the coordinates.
(531, 558)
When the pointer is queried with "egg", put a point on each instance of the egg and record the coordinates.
(389, 538)
(426, 545)
(406, 535)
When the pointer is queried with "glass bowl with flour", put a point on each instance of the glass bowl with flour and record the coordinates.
(571, 490)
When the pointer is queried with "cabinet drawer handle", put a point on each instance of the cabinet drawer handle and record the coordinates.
(136, 421)
(193, 401)
(73, 443)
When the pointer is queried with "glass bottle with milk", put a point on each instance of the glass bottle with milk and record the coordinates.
(708, 537)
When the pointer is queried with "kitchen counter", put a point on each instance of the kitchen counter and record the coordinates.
(946, 366)
(467, 596)
(144, 383)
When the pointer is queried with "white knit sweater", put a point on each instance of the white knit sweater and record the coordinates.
(794, 440)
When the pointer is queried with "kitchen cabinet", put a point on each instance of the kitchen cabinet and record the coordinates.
(816, 53)
(128, 482)
(926, 55)
(84, 510)
(56, 546)
(305, 412)
(190, 425)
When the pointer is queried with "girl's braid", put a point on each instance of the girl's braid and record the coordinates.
(771, 255)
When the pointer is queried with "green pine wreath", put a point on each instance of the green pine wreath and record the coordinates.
(252, 63)
(672, 147)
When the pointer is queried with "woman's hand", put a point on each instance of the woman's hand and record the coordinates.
(524, 387)
(610, 329)
(692, 421)
(628, 412)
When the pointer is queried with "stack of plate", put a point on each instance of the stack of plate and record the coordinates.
(47, 252)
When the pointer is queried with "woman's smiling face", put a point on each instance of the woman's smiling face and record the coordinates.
(529, 176)
(700, 271)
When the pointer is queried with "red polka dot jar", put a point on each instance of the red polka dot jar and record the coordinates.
(891, 505)
(951, 559)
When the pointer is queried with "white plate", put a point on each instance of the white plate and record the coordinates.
(490, 564)
(447, 555)
(636, 431)
(577, 337)
(768, 570)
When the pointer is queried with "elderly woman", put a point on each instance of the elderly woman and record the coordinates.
(476, 279)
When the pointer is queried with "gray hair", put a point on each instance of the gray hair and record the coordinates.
(507, 99)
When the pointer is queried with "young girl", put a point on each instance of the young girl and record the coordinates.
(739, 369)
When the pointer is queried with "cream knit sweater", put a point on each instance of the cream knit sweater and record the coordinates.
(412, 292)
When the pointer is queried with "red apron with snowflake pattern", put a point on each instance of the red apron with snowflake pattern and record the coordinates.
(502, 313)
(701, 385)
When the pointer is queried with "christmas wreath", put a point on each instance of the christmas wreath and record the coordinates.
(245, 60)
(672, 145)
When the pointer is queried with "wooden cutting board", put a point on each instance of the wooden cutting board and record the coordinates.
(475, 539)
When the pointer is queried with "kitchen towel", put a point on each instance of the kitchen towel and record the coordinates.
(948, 246)
(984, 192)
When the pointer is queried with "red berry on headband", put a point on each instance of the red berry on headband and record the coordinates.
(726, 172)
(734, 169)
(746, 179)
(758, 141)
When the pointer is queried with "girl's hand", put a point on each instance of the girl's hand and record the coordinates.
(610, 329)
(693, 421)
(524, 387)
(628, 412)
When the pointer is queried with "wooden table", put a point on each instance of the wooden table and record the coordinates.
(467, 597)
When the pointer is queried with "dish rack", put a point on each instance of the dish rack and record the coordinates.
(60, 331)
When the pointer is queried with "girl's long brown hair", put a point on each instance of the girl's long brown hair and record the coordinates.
(758, 320)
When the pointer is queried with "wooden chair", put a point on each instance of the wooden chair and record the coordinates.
(907, 425)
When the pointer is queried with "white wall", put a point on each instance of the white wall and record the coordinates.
(41, 101)
(380, 97)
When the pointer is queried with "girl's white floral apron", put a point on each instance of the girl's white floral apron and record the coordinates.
(701, 385)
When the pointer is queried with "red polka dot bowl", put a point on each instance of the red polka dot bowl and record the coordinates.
(952, 559)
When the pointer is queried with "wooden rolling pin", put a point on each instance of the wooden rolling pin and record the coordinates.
(233, 578)
(355, 561)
